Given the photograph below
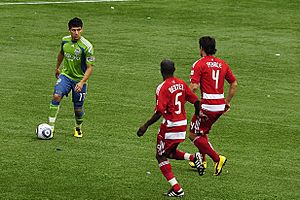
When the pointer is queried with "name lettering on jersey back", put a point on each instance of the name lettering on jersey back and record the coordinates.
(176, 87)
(214, 64)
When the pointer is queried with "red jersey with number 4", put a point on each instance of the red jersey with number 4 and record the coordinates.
(171, 96)
(211, 72)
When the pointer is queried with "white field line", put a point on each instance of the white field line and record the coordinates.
(58, 2)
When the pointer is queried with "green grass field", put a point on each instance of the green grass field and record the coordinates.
(259, 136)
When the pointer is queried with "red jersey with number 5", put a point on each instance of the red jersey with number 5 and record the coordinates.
(211, 72)
(171, 96)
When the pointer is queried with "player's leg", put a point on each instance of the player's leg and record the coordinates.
(201, 142)
(162, 150)
(54, 108)
(180, 155)
(203, 157)
(78, 101)
(200, 139)
(61, 88)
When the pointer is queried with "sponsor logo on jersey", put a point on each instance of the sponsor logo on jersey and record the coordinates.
(71, 57)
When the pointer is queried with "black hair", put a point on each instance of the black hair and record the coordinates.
(75, 22)
(208, 44)
(167, 67)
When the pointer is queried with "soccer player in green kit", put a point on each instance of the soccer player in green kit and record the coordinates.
(77, 55)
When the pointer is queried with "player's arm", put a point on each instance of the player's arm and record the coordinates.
(195, 77)
(90, 60)
(192, 98)
(194, 87)
(60, 58)
(87, 74)
(231, 92)
(156, 116)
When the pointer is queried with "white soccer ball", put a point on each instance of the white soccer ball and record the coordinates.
(44, 132)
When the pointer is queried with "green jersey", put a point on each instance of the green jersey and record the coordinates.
(76, 56)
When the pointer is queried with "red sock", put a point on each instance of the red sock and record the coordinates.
(203, 157)
(166, 170)
(179, 155)
(192, 157)
(202, 144)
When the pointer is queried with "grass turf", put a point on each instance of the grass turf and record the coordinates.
(260, 136)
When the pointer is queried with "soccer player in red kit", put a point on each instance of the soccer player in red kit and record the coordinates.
(209, 73)
(171, 96)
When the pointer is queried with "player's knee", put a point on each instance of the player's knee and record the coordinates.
(79, 112)
(192, 136)
(160, 158)
(56, 97)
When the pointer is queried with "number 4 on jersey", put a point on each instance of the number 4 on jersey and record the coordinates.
(215, 76)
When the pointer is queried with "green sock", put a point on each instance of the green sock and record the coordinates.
(79, 119)
(53, 114)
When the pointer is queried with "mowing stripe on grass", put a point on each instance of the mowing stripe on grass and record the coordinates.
(58, 2)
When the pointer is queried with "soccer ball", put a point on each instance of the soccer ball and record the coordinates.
(44, 131)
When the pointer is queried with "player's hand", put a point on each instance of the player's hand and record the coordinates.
(79, 86)
(202, 117)
(227, 106)
(142, 130)
(57, 73)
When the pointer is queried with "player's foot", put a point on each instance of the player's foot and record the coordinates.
(199, 164)
(52, 128)
(192, 164)
(172, 193)
(77, 132)
(219, 165)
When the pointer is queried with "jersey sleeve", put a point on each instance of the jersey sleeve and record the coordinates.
(90, 57)
(190, 96)
(195, 73)
(63, 42)
(230, 78)
(161, 101)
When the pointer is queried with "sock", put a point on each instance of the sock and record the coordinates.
(180, 155)
(185, 156)
(54, 108)
(204, 147)
(79, 118)
(203, 157)
(166, 170)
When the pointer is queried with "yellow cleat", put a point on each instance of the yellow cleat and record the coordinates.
(219, 165)
(78, 133)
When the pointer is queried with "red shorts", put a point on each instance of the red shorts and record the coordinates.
(204, 127)
(165, 147)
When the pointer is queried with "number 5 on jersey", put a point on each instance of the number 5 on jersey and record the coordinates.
(178, 103)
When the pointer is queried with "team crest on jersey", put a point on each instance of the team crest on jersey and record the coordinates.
(90, 59)
(77, 51)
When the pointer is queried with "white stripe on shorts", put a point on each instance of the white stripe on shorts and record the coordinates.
(175, 135)
(178, 123)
